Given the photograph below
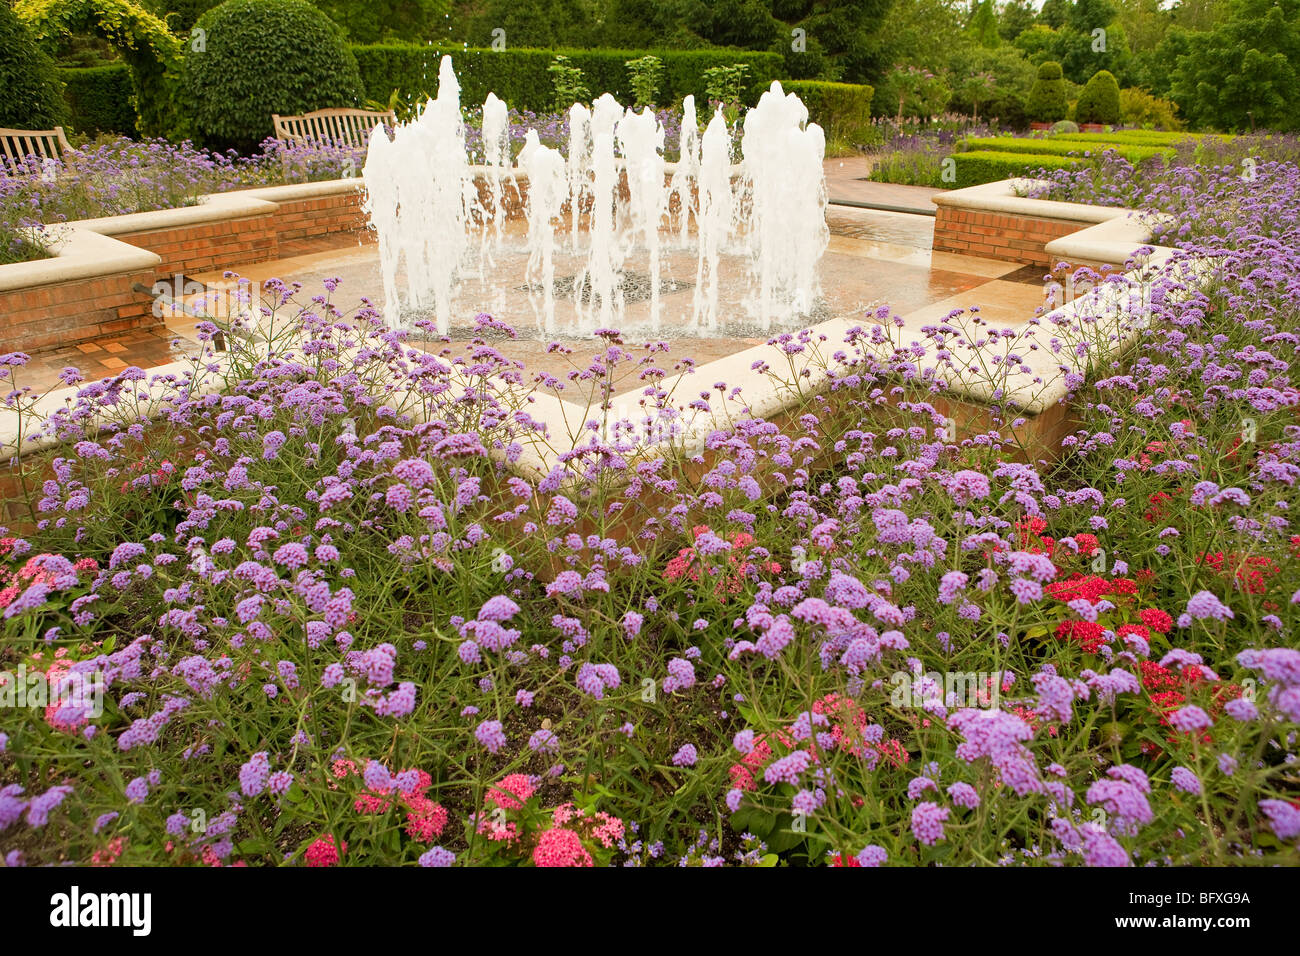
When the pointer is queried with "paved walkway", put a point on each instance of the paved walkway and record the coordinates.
(846, 183)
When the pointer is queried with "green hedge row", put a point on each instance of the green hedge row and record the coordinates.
(843, 110)
(520, 78)
(99, 99)
(1138, 137)
(987, 166)
(1063, 146)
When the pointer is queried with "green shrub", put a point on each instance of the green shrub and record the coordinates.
(843, 110)
(99, 99)
(725, 84)
(32, 91)
(1047, 98)
(262, 57)
(520, 77)
(567, 81)
(645, 73)
(1099, 101)
(1137, 107)
(1065, 126)
(987, 166)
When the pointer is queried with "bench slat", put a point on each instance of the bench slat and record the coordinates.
(43, 144)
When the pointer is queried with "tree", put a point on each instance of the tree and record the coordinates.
(1053, 13)
(1145, 23)
(376, 20)
(179, 15)
(1013, 78)
(544, 24)
(983, 25)
(1245, 73)
(1099, 101)
(1014, 18)
(923, 33)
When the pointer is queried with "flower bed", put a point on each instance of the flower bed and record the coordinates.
(353, 607)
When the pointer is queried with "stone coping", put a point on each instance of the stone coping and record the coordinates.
(1001, 196)
(214, 207)
(1113, 237)
(78, 254)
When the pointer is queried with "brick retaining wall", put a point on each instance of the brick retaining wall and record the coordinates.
(1004, 236)
(81, 310)
(67, 313)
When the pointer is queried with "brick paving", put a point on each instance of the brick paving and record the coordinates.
(143, 348)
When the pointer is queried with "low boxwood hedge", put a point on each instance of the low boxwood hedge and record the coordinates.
(1063, 146)
(988, 166)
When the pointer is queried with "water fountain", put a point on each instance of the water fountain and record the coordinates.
(622, 224)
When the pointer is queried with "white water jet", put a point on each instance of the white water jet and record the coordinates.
(430, 178)
(422, 198)
(641, 142)
(496, 156)
(604, 257)
(381, 204)
(782, 168)
(548, 189)
(686, 175)
(713, 217)
(579, 165)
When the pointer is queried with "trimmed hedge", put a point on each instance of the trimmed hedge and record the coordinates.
(843, 110)
(100, 99)
(1064, 144)
(988, 166)
(1141, 137)
(519, 76)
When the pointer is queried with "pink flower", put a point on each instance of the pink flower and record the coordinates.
(324, 853)
(560, 847)
(511, 792)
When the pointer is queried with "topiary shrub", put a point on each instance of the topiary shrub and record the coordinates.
(1065, 126)
(33, 93)
(1099, 101)
(252, 58)
(1048, 102)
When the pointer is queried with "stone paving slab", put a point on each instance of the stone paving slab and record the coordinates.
(846, 183)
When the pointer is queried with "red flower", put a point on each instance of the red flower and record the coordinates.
(1157, 620)
(1091, 636)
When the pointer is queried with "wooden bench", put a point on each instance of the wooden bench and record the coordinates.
(333, 126)
(16, 145)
